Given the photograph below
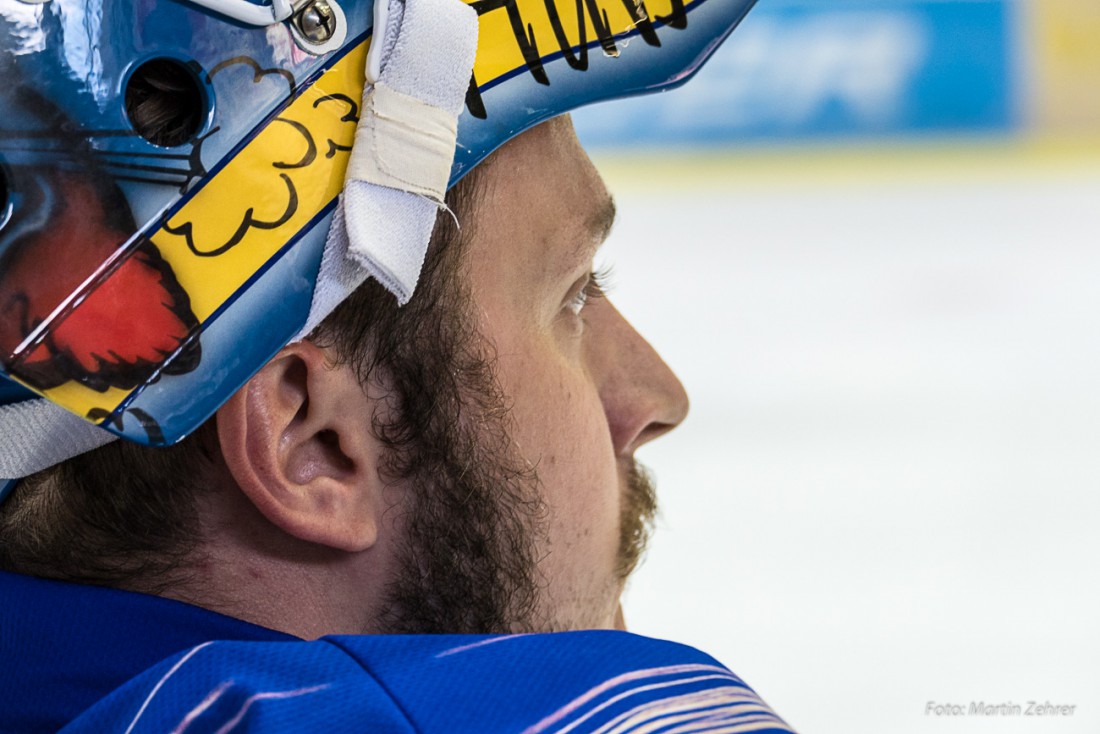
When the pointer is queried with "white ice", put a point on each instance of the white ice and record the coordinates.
(888, 490)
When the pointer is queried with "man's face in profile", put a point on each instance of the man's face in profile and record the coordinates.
(555, 503)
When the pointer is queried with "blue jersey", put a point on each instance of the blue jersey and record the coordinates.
(100, 660)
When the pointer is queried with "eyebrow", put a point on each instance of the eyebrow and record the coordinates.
(603, 220)
(596, 228)
(587, 235)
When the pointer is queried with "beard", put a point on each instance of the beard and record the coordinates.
(639, 510)
(475, 516)
(468, 563)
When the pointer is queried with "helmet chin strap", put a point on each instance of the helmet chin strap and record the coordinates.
(38, 434)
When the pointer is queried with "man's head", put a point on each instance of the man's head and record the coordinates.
(556, 393)
(464, 463)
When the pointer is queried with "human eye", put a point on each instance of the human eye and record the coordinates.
(592, 286)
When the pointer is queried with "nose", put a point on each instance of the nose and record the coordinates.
(642, 397)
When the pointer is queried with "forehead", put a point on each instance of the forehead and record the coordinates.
(540, 192)
(546, 160)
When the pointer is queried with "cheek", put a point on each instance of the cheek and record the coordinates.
(561, 428)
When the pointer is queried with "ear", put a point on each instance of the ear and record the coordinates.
(297, 440)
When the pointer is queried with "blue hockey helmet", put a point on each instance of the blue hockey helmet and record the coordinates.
(146, 274)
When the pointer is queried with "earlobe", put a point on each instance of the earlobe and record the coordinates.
(297, 440)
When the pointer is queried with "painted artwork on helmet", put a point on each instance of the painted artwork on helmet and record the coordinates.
(177, 268)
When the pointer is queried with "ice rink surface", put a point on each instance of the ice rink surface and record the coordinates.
(888, 492)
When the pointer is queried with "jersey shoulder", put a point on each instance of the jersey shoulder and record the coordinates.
(568, 682)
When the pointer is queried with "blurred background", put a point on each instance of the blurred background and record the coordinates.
(866, 237)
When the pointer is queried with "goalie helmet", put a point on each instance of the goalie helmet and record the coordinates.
(146, 272)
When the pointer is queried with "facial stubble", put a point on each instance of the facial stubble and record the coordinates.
(475, 515)
(469, 562)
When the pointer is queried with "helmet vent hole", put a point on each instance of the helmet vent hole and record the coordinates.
(165, 102)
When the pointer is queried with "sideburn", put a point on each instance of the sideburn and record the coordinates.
(467, 560)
